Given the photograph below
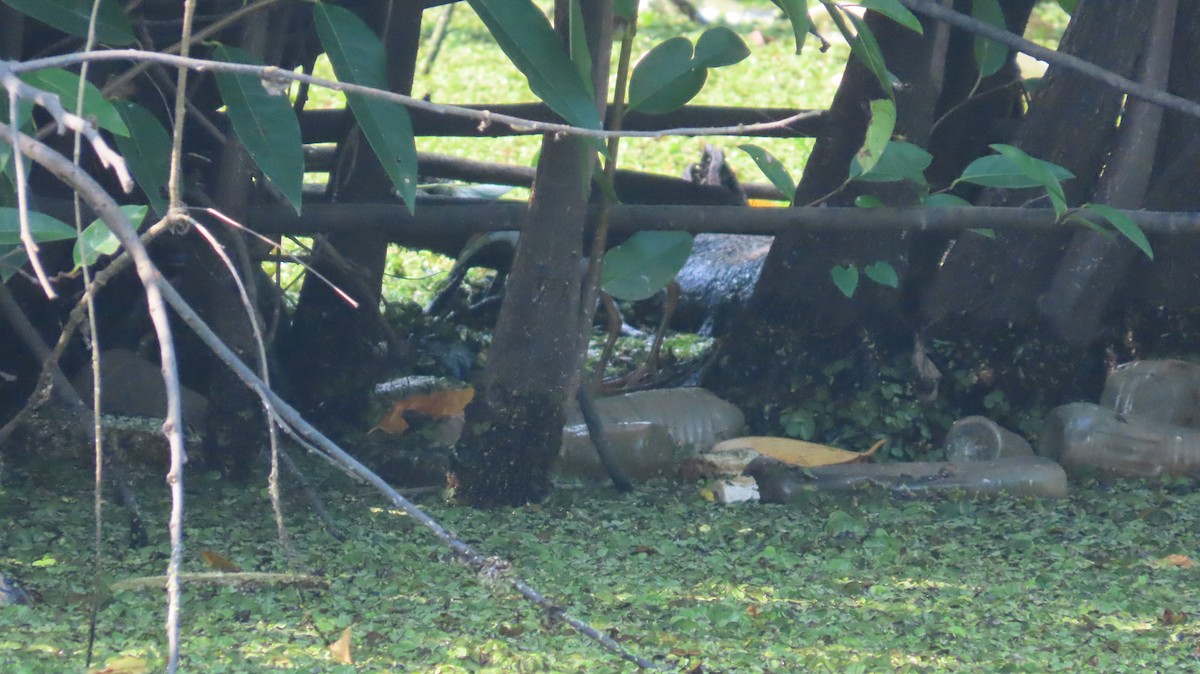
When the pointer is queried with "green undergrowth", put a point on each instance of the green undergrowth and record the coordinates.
(841, 585)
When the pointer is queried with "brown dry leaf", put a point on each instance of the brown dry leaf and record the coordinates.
(341, 648)
(435, 404)
(1170, 617)
(797, 452)
(218, 562)
(1181, 561)
(123, 665)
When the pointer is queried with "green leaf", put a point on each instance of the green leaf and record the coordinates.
(944, 201)
(72, 16)
(900, 160)
(357, 57)
(581, 56)
(879, 134)
(868, 201)
(526, 37)
(883, 273)
(644, 264)
(1125, 225)
(97, 240)
(12, 258)
(624, 8)
(719, 47)
(866, 48)
(845, 278)
(797, 13)
(989, 54)
(265, 124)
(147, 152)
(41, 226)
(985, 232)
(999, 170)
(771, 167)
(66, 85)
(664, 79)
(895, 11)
(1068, 6)
(1038, 170)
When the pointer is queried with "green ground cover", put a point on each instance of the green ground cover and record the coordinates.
(840, 585)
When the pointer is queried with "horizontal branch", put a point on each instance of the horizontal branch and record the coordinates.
(483, 117)
(470, 217)
(665, 189)
(331, 125)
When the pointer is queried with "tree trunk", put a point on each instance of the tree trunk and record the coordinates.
(514, 425)
(332, 351)
(1071, 122)
(797, 320)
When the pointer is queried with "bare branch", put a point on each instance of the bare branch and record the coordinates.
(484, 117)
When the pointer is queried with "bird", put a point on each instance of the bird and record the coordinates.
(11, 592)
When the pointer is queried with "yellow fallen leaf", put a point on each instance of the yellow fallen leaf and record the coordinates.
(213, 560)
(341, 648)
(796, 452)
(125, 664)
(434, 404)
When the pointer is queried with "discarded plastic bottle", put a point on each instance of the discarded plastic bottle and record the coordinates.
(1090, 439)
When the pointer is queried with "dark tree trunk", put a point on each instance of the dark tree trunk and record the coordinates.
(1071, 122)
(1167, 290)
(514, 426)
(797, 320)
(332, 351)
(1079, 297)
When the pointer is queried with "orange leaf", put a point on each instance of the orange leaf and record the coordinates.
(435, 404)
(218, 562)
(341, 648)
(1181, 561)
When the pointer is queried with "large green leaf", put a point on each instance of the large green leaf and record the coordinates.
(41, 226)
(357, 57)
(665, 79)
(718, 47)
(989, 54)
(895, 11)
(1040, 171)
(864, 45)
(644, 264)
(797, 13)
(66, 85)
(265, 124)
(98, 240)
(879, 134)
(12, 258)
(147, 152)
(526, 37)
(1125, 225)
(581, 56)
(900, 160)
(72, 16)
(773, 169)
(998, 170)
